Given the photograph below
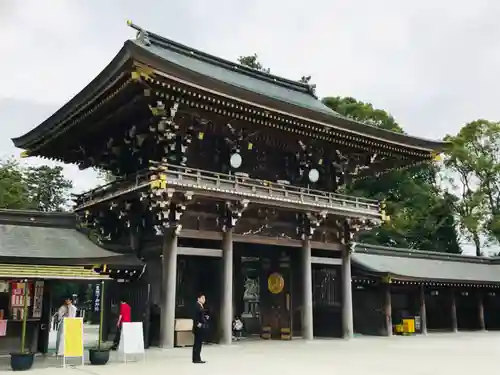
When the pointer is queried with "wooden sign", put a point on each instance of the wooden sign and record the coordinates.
(17, 295)
(38, 299)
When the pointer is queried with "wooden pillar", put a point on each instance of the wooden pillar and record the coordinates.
(168, 289)
(307, 295)
(227, 287)
(480, 308)
(347, 317)
(454, 322)
(388, 306)
(423, 311)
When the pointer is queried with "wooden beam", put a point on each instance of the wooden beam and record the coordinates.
(217, 236)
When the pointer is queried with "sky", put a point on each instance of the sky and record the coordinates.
(433, 64)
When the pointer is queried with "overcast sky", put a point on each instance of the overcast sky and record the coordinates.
(432, 63)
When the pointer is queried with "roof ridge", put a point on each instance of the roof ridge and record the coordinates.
(37, 218)
(22, 212)
(163, 42)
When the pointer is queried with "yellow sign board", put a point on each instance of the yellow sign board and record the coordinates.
(73, 337)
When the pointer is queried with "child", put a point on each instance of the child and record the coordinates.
(237, 328)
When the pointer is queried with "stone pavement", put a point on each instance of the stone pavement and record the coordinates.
(436, 354)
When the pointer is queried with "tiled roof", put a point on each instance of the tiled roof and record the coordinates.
(423, 265)
(50, 238)
(224, 77)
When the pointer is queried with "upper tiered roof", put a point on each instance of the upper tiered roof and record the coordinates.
(216, 76)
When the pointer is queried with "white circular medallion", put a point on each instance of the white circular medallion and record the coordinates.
(313, 175)
(235, 160)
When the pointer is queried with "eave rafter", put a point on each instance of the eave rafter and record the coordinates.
(203, 99)
(197, 97)
(118, 85)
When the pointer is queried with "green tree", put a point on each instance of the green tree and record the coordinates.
(252, 61)
(47, 188)
(421, 213)
(474, 156)
(363, 112)
(13, 191)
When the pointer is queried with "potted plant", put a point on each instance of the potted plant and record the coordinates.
(100, 356)
(23, 360)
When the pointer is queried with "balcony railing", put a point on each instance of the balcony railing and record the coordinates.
(237, 186)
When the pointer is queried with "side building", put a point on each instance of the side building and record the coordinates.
(227, 182)
(42, 250)
(442, 292)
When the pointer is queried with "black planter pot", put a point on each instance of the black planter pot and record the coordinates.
(21, 361)
(98, 357)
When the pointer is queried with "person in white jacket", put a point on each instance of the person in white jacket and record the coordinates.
(67, 310)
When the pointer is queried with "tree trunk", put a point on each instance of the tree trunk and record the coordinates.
(477, 243)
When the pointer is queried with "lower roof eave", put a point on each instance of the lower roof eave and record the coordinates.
(422, 280)
(118, 261)
(451, 282)
(48, 272)
(78, 103)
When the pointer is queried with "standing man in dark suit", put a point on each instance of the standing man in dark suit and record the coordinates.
(200, 325)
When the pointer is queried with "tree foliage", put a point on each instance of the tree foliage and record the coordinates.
(252, 61)
(41, 188)
(421, 213)
(363, 112)
(47, 188)
(13, 191)
(473, 159)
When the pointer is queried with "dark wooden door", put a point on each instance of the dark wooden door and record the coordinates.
(276, 299)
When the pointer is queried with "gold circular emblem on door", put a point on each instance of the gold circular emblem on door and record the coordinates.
(275, 283)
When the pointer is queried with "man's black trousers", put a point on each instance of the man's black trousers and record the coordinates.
(197, 345)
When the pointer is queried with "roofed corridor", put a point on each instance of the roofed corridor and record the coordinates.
(446, 353)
